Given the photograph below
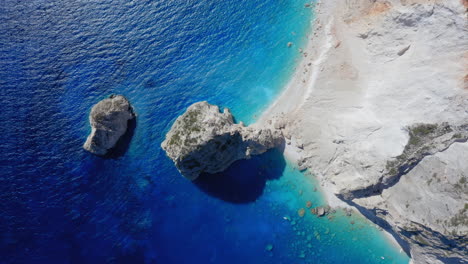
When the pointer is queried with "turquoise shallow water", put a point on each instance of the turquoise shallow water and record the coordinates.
(62, 205)
(349, 239)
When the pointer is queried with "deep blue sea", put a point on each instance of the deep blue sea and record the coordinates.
(60, 204)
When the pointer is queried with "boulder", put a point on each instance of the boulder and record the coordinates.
(320, 211)
(204, 139)
(109, 121)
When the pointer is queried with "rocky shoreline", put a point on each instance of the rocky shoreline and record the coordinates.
(377, 110)
(424, 140)
(422, 195)
(378, 113)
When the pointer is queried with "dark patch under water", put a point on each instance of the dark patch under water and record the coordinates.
(244, 181)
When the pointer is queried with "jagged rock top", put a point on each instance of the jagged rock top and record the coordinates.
(204, 139)
(109, 120)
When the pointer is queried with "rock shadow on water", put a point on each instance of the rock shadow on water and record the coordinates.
(245, 180)
(123, 143)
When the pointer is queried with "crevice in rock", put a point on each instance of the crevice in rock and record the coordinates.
(425, 140)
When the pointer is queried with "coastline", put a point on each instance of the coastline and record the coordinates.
(302, 83)
(312, 57)
(372, 70)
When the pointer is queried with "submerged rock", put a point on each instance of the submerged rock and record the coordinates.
(301, 212)
(205, 140)
(109, 120)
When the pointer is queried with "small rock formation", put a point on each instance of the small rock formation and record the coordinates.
(205, 140)
(301, 212)
(108, 119)
(321, 211)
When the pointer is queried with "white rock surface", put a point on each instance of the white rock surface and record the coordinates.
(205, 140)
(109, 119)
(430, 204)
(374, 68)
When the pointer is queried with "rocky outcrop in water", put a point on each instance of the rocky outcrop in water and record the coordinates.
(204, 139)
(109, 120)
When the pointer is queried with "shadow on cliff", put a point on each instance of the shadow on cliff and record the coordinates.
(245, 180)
(123, 143)
(371, 214)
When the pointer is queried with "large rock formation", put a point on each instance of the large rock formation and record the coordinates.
(423, 193)
(205, 140)
(376, 69)
(109, 119)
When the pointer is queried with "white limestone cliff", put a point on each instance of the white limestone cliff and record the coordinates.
(375, 71)
(377, 109)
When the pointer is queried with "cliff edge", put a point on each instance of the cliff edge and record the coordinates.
(377, 111)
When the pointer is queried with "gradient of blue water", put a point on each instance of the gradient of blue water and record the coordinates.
(60, 204)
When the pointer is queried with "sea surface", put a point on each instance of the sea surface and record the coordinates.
(60, 204)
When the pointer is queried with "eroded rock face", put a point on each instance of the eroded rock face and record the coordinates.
(375, 81)
(205, 140)
(109, 119)
(423, 194)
